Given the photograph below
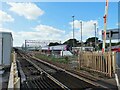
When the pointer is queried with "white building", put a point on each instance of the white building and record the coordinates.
(6, 43)
(83, 48)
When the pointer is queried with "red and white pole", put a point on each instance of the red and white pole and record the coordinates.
(105, 26)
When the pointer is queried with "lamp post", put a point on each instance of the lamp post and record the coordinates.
(97, 32)
(81, 34)
(25, 45)
(95, 35)
(73, 30)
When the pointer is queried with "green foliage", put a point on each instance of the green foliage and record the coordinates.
(70, 42)
(52, 58)
(66, 58)
(92, 39)
(54, 44)
(118, 43)
(100, 46)
(89, 42)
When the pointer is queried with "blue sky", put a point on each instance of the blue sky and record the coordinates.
(53, 20)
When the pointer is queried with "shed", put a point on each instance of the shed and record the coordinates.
(6, 43)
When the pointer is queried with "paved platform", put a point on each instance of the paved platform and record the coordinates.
(4, 77)
(118, 74)
(108, 82)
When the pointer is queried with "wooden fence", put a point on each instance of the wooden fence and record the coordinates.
(98, 62)
(14, 80)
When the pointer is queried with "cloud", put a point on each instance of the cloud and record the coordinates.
(49, 32)
(4, 17)
(40, 32)
(88, 29)
(48, 29)
(28, 10)
(45, 32)
(5, 30)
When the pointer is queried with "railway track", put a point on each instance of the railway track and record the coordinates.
(34, 78)
(66, 79)
(60, 78)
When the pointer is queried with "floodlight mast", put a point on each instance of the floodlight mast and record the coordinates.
(73, 31)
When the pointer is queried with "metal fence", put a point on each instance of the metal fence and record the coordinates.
(98, 62)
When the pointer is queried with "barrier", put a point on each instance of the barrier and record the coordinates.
(98, 62)
(14, 80)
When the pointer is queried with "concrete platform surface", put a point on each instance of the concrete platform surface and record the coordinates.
(4, 77)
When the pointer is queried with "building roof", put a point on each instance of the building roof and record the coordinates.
(6, 33)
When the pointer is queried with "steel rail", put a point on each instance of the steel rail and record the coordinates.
(49, 76)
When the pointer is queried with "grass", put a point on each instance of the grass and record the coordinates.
(64, 60)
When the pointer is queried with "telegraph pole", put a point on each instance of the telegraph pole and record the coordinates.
(73, 30)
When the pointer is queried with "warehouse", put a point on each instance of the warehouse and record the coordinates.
(6, 43)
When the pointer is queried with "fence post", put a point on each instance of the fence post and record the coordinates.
(10, 82)
(96, 62)
(114, 61)
(109, 64)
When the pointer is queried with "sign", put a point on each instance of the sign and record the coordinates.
(115, 34)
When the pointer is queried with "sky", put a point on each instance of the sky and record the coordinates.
(53, 20)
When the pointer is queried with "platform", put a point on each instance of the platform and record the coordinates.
(118, 74)
(4, 77)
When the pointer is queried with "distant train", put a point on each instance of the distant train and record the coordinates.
(56, 48)
(60, 50)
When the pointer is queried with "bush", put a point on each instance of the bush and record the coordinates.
(66, 58)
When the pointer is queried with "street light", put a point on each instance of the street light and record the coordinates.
(73, 30)
(95, 35)
(25, 45)
(81, 34)
(98, 39)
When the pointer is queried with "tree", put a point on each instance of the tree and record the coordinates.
(70, 42)
(118, 43)
(92, 39)
(54, 44)
(100, 46)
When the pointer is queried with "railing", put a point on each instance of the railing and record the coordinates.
(98, 62)
(14, 80)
